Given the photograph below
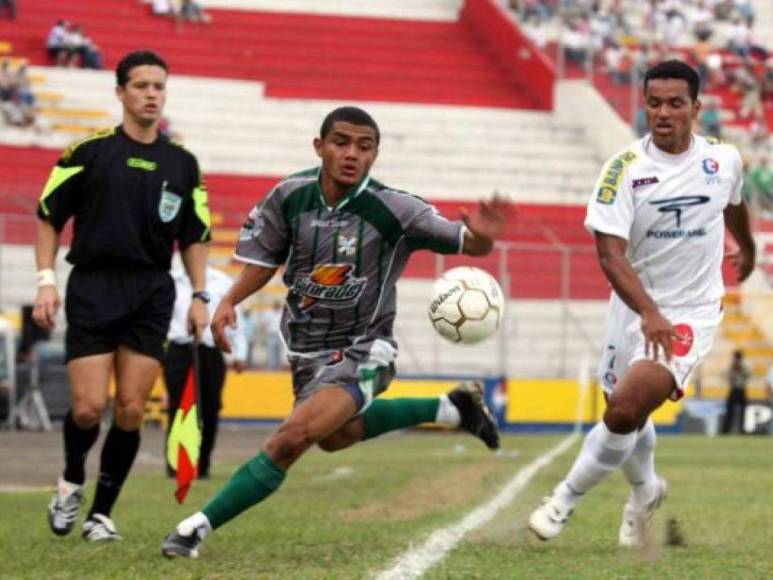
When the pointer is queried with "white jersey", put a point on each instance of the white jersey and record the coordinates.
(670, 210)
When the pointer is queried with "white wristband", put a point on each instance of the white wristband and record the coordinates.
(46, 278)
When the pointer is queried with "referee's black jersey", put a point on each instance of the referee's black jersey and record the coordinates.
(130, 201)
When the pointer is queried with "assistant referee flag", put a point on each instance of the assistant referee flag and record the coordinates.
(184, 442)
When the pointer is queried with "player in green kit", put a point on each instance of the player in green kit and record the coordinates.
(344, 240)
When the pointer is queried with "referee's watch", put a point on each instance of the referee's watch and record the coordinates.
(202, 295)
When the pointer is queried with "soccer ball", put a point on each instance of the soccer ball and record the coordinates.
(467, 305)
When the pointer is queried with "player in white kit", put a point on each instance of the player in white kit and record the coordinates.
(658, 212)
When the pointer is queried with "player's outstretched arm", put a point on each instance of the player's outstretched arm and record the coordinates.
(658, 332)
(251, 279)
(484, 226)
(737, 221)
(47, 301)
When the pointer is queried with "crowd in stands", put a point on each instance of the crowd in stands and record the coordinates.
(68, 45)
(17, 101)
(622, 38)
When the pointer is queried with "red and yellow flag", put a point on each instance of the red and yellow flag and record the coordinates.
(184, 442)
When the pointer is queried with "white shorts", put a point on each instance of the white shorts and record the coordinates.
(624, 342)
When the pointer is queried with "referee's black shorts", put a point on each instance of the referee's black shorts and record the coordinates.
(106, 308)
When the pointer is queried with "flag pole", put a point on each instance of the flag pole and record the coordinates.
(196, 383)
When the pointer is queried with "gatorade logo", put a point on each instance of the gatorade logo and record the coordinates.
(333, 285)
(683, 345)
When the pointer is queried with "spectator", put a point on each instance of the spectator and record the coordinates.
(701, 52)
(250, 330)
(191, 11)
(739, 38)
(745, 9)
(766, 82)
(91, 55)
(702, 21)
(163, 8)
(7, 81)
(641, 122)
(711, 123)
(9, 7)
(761, 180)
(618, 63)
(738, 376)
(747, 84)
(576, 42)
(272, 321)
(535, 10)
(81, 49)
(758, 132)
(16, 113)
(56, 43)
(617, 13)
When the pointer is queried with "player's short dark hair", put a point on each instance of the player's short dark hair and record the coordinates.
(353, 115)
(134, 59)
(675, 69)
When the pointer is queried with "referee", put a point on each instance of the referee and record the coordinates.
(132, 193)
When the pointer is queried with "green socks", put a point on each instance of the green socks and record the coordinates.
(260, 476)
(252, 483)
(386, 415)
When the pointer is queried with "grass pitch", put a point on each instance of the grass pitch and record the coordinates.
(350, 514)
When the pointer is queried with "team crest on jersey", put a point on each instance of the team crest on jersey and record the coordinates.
(252, 226)
(347, 246)
(710, 166)
(330, 285)
(170, 204)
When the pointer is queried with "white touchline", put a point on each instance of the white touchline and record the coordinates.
(11, 488)
(415, 562)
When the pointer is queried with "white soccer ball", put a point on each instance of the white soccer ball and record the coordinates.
(467, 305)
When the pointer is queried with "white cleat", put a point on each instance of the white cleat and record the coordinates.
(635, 528)
(549, 519)
(99, 528)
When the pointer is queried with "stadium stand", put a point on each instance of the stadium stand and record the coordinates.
(457, 125)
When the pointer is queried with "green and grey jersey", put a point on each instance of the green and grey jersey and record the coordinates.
(341, 263)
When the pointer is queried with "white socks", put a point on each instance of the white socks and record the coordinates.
(639, 470)
(447, 412)
(601, 453)
(197, 523)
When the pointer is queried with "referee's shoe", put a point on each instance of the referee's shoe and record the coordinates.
(475, 415)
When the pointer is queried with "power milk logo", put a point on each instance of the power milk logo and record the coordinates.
(676, 206)
(330, 285)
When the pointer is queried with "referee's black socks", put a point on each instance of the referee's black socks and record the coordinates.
(77, 443)
(118, 455)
